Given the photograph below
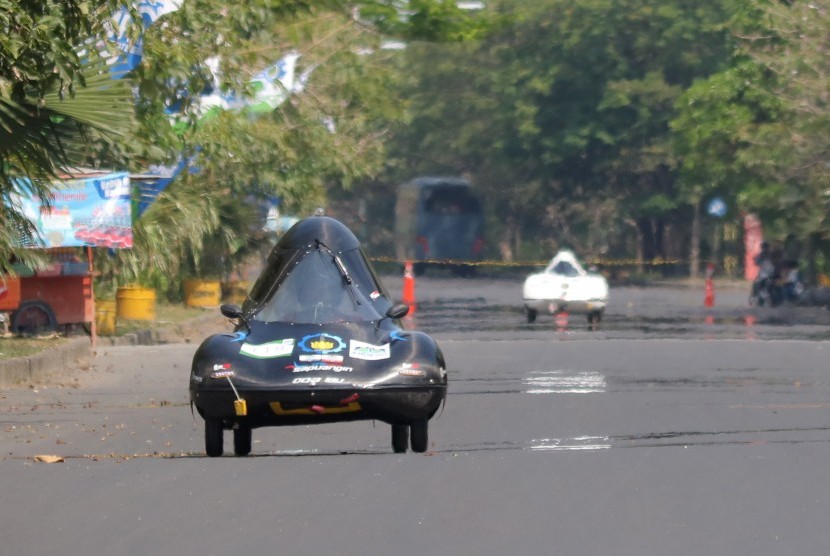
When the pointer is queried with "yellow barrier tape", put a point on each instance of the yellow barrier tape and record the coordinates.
(590, 262)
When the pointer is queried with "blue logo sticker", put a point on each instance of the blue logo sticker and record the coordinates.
(322, 343)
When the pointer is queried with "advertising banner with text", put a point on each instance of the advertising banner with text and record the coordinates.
(91, 211)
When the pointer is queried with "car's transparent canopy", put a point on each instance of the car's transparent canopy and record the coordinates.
(316, 285)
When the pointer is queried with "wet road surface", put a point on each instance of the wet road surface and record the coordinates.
(493, 308)
(679, 437)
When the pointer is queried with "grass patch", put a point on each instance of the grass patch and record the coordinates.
(13, 346)
(166, 315)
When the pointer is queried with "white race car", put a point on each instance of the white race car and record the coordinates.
(564, 286)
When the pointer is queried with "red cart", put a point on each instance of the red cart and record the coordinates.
(49, 299)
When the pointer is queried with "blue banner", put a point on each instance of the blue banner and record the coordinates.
(131, 52)
(93, 211)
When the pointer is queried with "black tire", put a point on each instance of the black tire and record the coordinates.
(531, 315)
(214, 437)
(242, 441)
(400, 438)
(33, 317)
(419, 435)
(464, 270)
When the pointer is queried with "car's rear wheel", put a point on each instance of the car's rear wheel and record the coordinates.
(214, 437)
(419, 435)
(531, 314)
(400, 438)
(242, 441)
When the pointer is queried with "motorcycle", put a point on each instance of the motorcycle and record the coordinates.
(771, 288)
(793, 287)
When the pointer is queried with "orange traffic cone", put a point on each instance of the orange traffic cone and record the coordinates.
(409, 287)
(709, 299)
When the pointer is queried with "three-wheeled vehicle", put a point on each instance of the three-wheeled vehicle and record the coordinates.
(565, 286)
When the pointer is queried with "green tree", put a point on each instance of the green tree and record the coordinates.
(789, 154)
(718, 120)
(58, 107)
(321, 138)
(561, 115)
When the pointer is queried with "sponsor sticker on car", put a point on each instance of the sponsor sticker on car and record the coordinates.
(315, 380)
(316, 357)
(320, 367)
(322, 343)
(411, 369)
(279, 348)
(368, 352)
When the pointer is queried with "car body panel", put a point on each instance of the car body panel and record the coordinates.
(392, 375)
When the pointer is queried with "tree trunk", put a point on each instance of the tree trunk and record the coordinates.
(511, 243)
(647, 243)
(694, 252)
(812, 251)
(717, 245)
(639, 244)
(517, 237)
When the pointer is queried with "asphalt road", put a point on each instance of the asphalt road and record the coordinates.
(696, 439)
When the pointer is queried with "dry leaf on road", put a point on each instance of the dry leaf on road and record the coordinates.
(48, 459)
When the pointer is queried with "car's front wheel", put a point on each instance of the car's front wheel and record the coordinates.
(214, 437)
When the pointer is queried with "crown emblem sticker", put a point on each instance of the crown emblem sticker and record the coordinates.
(322, 343)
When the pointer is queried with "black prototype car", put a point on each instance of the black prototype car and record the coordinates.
(317, 341)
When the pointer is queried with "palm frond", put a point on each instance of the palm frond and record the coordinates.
(37, 135)
(104, 104)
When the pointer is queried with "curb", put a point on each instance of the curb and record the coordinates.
(24, 372)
